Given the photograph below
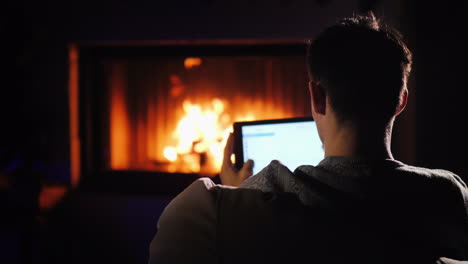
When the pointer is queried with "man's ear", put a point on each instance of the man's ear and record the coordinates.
(318, 98)
(403, 101)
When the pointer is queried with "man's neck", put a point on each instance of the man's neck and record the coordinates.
(359, 142)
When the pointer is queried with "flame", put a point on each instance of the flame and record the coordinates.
(192, 62)
(170, 153)
(201, 131)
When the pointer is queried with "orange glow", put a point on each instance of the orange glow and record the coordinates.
(180, 131)
(73, 108)
(196, 143)
(119, 121)
(173, 114)
(50, 196)
(201, 135)
(190, 63)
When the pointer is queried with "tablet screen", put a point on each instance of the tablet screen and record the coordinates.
(292, 143)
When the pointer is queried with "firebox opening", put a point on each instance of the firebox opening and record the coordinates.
(172, 111)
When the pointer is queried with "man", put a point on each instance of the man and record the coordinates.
(358, 204)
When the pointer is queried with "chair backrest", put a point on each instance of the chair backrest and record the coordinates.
(277, 228)
(450, 261)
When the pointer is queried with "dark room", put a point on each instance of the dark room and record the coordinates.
(112, 110)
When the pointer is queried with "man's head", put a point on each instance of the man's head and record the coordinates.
(361, 67)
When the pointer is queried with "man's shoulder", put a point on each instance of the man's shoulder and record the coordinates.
(202, 193)
(197, 191)
(434, 176)
(268, 178)
(188, 224)
(442, 192)
(195, 197)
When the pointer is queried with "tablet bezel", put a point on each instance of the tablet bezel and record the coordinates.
(238, 146)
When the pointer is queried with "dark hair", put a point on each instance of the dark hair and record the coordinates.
(362, 65)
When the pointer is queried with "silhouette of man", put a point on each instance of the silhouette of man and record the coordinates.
(358, 204)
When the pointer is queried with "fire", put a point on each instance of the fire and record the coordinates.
(190, 63)
(170, 153)
(120, 123)
(200, 135)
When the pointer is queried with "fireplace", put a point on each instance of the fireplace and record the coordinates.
(164, 110)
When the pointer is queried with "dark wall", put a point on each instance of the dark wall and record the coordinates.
(439, 42)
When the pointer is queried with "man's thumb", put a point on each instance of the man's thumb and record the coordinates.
(247, 169)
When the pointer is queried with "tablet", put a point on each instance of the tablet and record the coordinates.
(292, 141)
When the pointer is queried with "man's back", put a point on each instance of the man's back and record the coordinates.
(342, 210)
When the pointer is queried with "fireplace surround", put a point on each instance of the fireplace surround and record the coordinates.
(153, 117)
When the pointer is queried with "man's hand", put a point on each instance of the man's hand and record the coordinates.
(229, 174)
